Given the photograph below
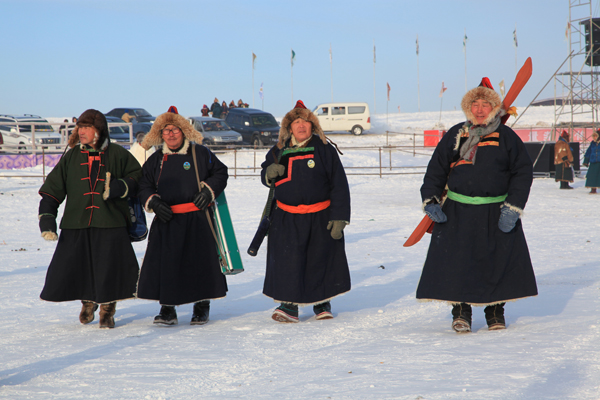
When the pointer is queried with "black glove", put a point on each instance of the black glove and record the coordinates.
(203, 198)
(48, 227)
(118, 188)
(161, 209)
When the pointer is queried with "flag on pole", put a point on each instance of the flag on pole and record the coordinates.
(293, 57)
(253, 58)
(501, 84)
(465, 43)
(443, 90)
(515, 37)
(568, 31)
(374, 58)
(388, 88)
(417, 44)
(330, 56)
(260, 91)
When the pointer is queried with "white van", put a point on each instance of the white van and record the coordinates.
(352, 117)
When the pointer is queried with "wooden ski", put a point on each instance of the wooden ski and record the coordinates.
(521, 80)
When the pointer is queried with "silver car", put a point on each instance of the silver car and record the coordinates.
(216, 132)
(16, 133)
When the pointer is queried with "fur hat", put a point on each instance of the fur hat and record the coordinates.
(154, 137)
(486, 92)
(91, 118)
(299, 111)
(564, 135)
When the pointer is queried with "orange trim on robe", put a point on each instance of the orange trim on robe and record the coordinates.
(304, 208)
(289, 168)
(184, 208)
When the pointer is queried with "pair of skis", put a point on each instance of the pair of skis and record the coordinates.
(426, 224)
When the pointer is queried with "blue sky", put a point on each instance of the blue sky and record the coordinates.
(63, 57)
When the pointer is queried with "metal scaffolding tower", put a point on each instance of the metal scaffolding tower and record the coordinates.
(579, 86)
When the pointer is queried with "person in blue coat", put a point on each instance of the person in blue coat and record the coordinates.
(591, 160)
(306, 256)
(181, 264)
(478, 254)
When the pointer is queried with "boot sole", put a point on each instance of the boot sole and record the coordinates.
(166, 323)
(461, 326)
(281, 316)
(198, 322)
(496, 327)
(324, 315)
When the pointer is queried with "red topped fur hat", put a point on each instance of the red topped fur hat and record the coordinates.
(171, 117)
(486, 92)
(299, 111)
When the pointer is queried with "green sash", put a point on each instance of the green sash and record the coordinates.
(461, 198)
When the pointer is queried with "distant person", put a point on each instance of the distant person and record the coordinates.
(181, 264)
(205, 110)
(232, 104)
(478, 254)
(306, 255)
(216, 109)
(138, 151)
(74, 120)
(63, 127)
(94, 261)
(591, 160)
(241, 104)
(225, 110)
(563, 159)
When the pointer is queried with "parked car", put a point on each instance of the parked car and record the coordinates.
(120, 133)
(351, 117)
(139, 114)
(16, 132)
(216, 132)
(258, 128)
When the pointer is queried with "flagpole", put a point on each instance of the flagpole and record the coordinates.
(331, 70)
(418, 80)
(441, 102)
(252, 80)
(516, 47)
(374, 88)
(465, 42)
(292, 77)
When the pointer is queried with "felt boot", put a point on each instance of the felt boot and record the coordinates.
(88, 308)
(107, 314)
(494, 315)
(167, 316)
(286, 312)
(201, 310)
(323, 310)
(461, 317)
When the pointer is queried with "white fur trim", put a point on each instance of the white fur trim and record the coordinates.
(106, 186)
(515, 208)
(49, 235)
(148, 201)
(212, 192)
(426, 201)
(183, 150)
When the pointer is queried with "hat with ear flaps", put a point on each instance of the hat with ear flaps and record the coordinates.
(96, 119)
(171, 117)
(486, 92)
(299, 111)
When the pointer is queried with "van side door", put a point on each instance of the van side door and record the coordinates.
(339, 119)
(324, 117)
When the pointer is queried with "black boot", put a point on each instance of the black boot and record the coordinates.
(286, 312)
(167, 316)
(494, 315)
(461, 317)
(201, 310)
(323, 310)
(565, 185)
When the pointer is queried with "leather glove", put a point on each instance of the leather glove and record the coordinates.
(434, 211)
(203, 198)
(336, 228)
(161, 209)
(273, 171)
(48, 227)
(508, 219)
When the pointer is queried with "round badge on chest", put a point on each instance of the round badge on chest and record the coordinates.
(311, 163)
(186, 165)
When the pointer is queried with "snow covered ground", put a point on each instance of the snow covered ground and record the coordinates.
(382, 343)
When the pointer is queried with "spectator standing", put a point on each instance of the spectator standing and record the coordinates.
(216, 109)
(591, 160)
(563, 160)
(205, 110)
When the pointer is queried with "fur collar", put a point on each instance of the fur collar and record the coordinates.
(183, 150)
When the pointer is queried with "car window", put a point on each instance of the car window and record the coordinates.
(212, 126)
(338, 110)
(245, 120)
(140, 112)
(264, 121)
(6, 127)
(323, 111)
(356, 109)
